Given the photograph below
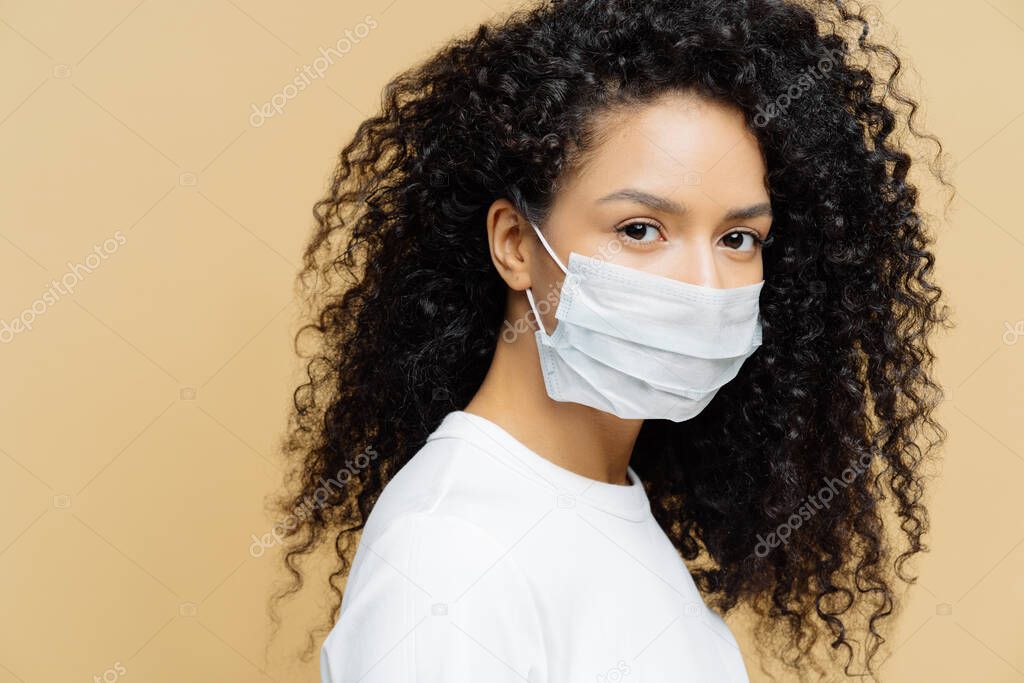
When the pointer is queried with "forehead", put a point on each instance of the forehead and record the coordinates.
(676, 144)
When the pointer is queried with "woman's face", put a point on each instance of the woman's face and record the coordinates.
(675, 188)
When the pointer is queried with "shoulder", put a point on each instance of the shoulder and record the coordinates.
(433, 597)
(442, 554)
(456, 482)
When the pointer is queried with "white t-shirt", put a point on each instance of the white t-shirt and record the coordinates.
(484, 561)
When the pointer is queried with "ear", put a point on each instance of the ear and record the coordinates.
(506, 229)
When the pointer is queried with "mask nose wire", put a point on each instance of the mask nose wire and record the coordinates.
(529, 294)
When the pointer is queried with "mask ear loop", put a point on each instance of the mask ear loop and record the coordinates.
(548, 247)
(529, 294)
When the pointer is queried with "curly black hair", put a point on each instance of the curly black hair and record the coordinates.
(406, 305)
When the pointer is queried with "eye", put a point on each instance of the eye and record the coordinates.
(744, 240)
(640, 232)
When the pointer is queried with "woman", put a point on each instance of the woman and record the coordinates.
(608, 286)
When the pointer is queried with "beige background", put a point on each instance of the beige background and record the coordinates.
(141, 412)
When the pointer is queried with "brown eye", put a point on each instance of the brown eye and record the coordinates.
(741, 240)
(639, 232)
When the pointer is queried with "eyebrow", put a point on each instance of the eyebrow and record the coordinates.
(670, 206)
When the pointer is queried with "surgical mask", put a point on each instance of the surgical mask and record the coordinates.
(639, 345)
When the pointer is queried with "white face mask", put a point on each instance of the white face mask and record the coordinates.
(643, 346)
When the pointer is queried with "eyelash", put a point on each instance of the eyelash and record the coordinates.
(762, 243)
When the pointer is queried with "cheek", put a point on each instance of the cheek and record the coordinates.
(742, 268)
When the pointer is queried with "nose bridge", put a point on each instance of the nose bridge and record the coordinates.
(698, 265)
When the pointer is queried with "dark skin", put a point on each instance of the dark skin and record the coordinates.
(675, 188)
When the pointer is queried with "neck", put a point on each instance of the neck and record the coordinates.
(584, 440)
